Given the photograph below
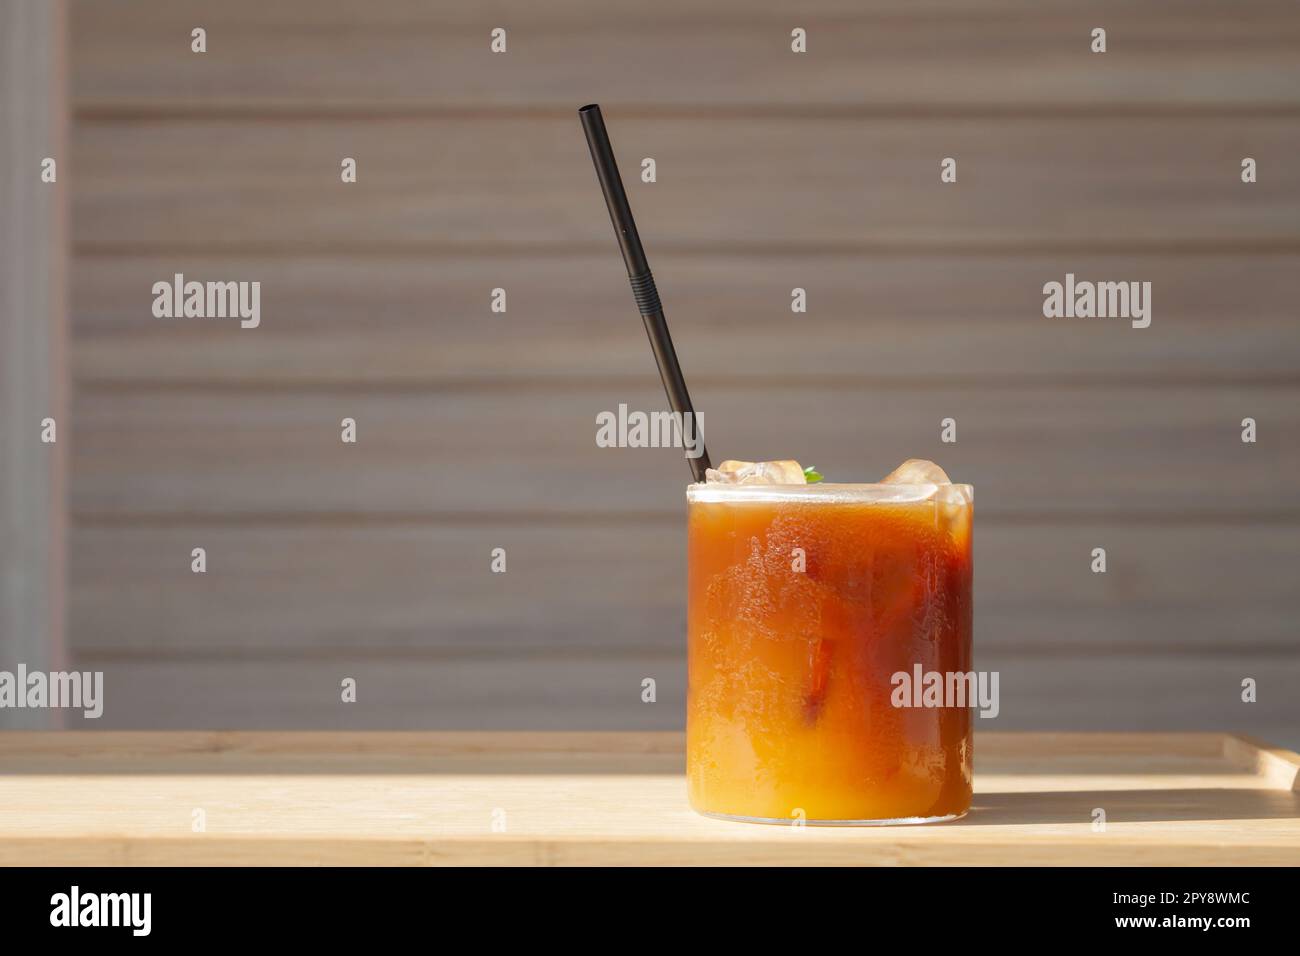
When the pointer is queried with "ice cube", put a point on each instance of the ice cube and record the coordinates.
(916, 471)
(757, 473)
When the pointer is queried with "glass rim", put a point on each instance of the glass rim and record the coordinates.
(865, 492)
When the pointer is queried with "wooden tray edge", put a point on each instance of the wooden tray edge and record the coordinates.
(1280, 767)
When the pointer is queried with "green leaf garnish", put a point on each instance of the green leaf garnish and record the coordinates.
(811, 475)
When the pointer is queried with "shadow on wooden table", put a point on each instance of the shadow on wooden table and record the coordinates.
(1130, 806)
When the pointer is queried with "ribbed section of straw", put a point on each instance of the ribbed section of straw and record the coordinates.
(645, 293)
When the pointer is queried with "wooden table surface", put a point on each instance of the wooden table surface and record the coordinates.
(610, 798)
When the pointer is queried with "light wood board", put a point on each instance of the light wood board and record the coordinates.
(589, 798)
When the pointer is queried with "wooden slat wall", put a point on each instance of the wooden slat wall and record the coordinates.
(416, 586)
(1138, 181)
(1060, 451)
(775, 170)
(556, 691)
(891, 55)
(1224, 317)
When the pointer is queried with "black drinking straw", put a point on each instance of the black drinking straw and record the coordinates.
(643, 283)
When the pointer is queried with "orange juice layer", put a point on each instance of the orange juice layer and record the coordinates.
(788, 706)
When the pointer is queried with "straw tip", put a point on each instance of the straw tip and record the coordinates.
(589, 108)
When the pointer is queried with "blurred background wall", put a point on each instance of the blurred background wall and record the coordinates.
(33, 342)
(775, 170)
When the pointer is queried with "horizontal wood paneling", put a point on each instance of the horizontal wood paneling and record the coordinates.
(547, 691)
(298, 591)
(1078, 692)
(494, 179)
(775, 170)
(415, 319)
(679, 53)
(1041, 450)
(1185, 759)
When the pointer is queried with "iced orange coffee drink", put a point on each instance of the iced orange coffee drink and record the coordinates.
(806, 603)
